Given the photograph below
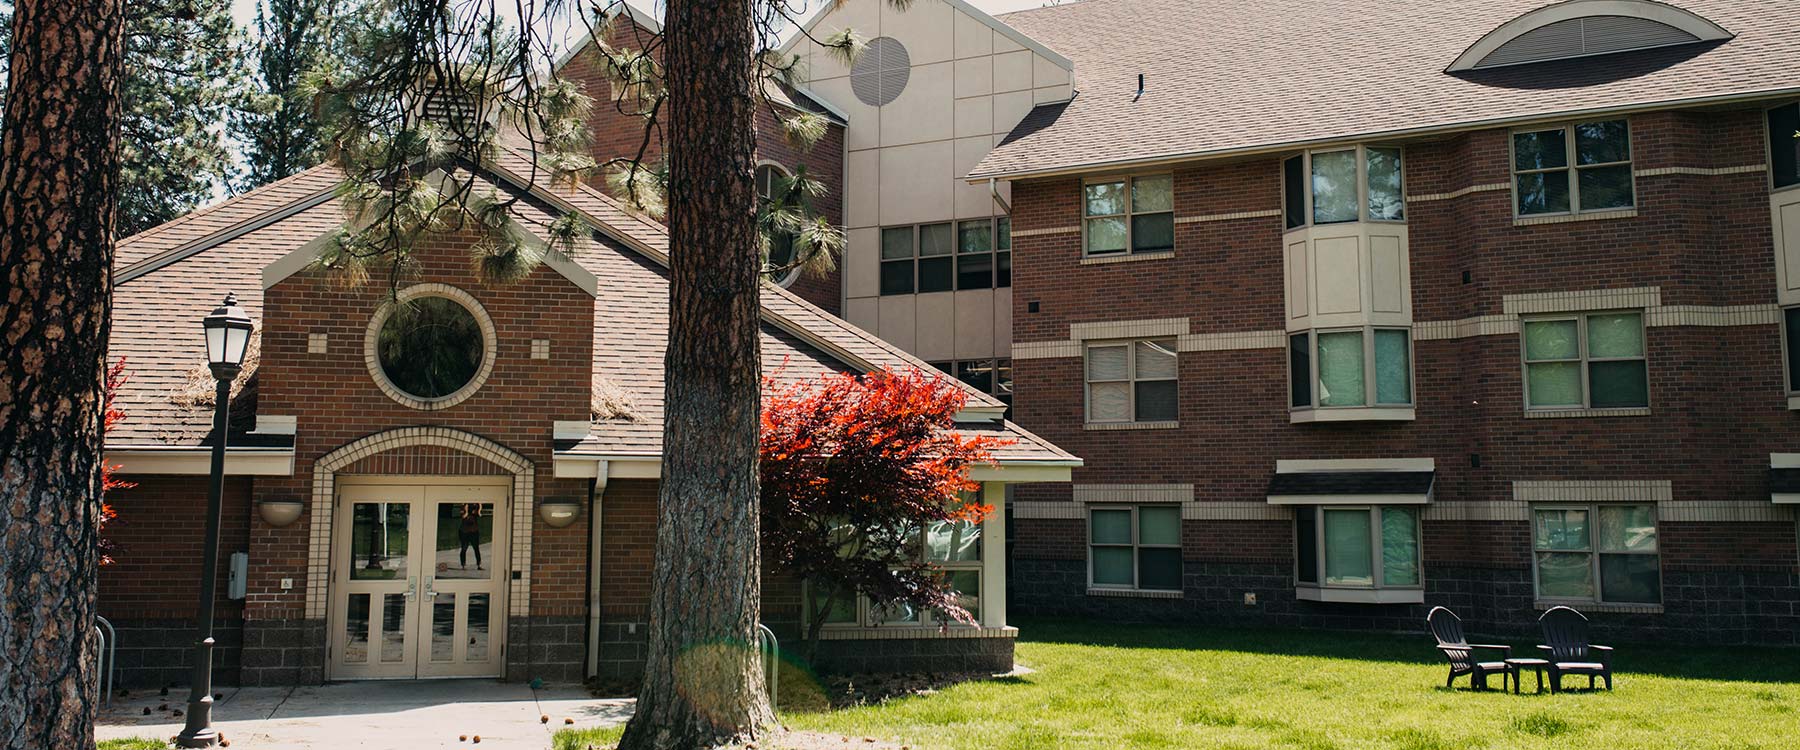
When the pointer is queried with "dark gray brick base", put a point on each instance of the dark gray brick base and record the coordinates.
(284, 652)
(157, 653)
(927, 655)
(552, 649)
(1699, 608)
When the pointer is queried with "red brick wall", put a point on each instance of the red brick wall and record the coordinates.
(1717, 400)
(158, 532)
(619, 135)
(337, 402)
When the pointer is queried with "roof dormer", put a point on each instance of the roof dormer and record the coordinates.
(1585, 28)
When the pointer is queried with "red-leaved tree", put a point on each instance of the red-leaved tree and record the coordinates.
(853, 468)
(109, 480)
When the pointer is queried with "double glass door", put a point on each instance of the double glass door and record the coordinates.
(417, 581)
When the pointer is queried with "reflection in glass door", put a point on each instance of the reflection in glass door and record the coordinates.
(415, 582)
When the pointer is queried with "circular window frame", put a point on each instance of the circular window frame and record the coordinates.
(879, 76)
(489, 346)
(792, 274)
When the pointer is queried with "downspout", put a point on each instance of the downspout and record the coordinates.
(994, 189)
(596, 489)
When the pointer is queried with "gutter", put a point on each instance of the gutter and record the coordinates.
(975, 178)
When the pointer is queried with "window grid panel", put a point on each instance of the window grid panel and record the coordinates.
(1111, 211)
(1593, 552)
(1586, 360)
(1571, 171)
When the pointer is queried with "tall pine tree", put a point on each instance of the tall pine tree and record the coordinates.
(184, 73)
(280, 137)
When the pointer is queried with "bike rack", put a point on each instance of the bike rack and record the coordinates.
(109, 656)
(771, 648)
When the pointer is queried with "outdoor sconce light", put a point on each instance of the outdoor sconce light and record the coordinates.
(558, 513)
(279, 513)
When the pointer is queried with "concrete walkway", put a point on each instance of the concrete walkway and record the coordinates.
(410, 715)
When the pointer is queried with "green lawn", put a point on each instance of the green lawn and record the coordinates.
(133, 743)
(1113, 686)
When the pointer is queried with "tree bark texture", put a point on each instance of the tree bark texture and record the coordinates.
(59, 163)
(703, 677)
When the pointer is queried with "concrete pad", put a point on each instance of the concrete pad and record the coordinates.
(393, 715)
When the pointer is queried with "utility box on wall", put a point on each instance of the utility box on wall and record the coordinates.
(237, 581)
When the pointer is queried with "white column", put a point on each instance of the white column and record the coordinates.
(993, 557)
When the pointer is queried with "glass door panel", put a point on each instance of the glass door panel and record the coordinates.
(468, 532)
(374, 582)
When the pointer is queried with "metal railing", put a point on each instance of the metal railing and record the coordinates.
(108, 656)
(771, 650)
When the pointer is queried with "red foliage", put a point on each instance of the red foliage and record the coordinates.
(115, 379)
(853, 467)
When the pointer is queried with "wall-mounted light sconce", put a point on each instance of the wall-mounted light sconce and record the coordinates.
(559, 513)
(279, 513)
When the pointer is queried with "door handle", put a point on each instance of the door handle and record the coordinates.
(411, 586)
(430, 593)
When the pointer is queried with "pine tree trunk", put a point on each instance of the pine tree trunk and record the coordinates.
(59, 163)
(703, 677)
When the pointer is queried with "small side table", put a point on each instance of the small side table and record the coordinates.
(1518, 667)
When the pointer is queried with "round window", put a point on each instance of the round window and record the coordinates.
(431, 349)
(880, 73)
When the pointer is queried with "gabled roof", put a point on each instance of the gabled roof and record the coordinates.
(1228, 77)
(156, 312)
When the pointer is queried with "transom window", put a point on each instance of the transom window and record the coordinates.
(952, 546)
(1350, 367)
(1591, 361)
(1596, 553)
(1133, 381)
(1362, 183)
(1135, 547)
(1129, 215)
(1370, 547)
(947, 256)
(1573, 169)
(1784, 145)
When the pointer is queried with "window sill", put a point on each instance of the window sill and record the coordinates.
(1131, 425)
(1134, 593)
(1353, 414)
(1097, 260)
(1359, 596)
(1632, 609)
(857, 633)
(1643, 411)
(1794, 402)
(1527, 221)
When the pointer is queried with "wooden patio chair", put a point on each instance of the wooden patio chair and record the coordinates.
(1566, 647)
(1447, 628)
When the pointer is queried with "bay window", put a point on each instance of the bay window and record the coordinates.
(1596, 553)
(1124, 215)
(1586, 361)
(1133, 381)
(1135, 547)
(1357, 547)
(1573, 169)
(1335, 186)
(953, 547)
(1350, 368)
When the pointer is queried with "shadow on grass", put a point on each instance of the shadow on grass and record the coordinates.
(1737, 664)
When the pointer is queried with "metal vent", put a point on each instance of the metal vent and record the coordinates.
(881, 72)
(1590, 35)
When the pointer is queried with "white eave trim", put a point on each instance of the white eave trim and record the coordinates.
(1289, 466)
(1668, 15)
(1424, 499)
(198, 461)
(787, 47)
(1359, 596)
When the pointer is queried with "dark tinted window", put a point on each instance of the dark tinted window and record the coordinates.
(936, 274)
(1299, 371)
(1791, 317)
(1306, 545)
(1294, 178)
(1784, 144)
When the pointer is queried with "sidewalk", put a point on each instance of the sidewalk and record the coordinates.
(409, 715)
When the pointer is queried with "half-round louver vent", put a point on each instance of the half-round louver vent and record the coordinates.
(881, 71)
(1584, 28)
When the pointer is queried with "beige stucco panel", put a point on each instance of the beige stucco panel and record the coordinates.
(896, 322)
(975, 324)
(1785, 208)
(1004, 43)
(972, 201)
(1051, 94)
(915, 181)
(1297, 292)
(862, 265)
(865, 121)
(1045, 72)
(1003, 322)
(926, 27)
(862, 188)
(1387, 273)
(974, 117)
(936, 326)
(1012, 71)
(1009, 109)
(925, 111)
(972, 36)
(1339, 279)
(864, 313)
(975, 76)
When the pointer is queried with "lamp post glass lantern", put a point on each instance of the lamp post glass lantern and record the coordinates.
(228, 331)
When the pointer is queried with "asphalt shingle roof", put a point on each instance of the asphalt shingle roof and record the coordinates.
(1225, 76)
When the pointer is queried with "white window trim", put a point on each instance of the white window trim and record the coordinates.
(1378, 569)
(1593, 552)
(1362, 186)
(1129, 181)
(1131, 380)
(1136, 545)
(1769, 149)
(1370, 403)
(1572, 167)
(1581, 327)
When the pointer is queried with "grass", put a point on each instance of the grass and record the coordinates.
(133, 743)
(1112, 686)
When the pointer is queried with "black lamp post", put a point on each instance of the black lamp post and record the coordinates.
(227, 336)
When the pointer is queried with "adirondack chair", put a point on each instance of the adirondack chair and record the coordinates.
(1447, 628)
(1568, 650)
